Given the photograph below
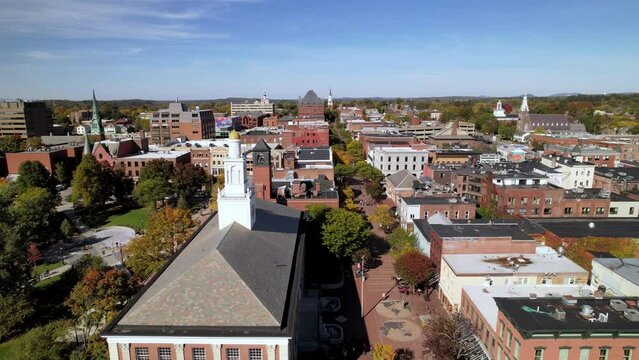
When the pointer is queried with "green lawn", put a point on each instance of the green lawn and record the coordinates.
(44, 267)
(48, 281)
(8, 350)
(134, 218)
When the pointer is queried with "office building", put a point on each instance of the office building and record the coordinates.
(25, 118)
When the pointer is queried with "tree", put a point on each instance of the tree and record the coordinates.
(401, 241)
(350, 205)
(121, 186)
(15, 272)
(383, 352)
(147, 192)
(34, 142)
(9, 143)
(15, 309)
(355, 150)
(507, 131)
(344, 170)
(382, 216)
(446, 337)
(43, 343)
(414, 267)
(188, 179)
(89, 186)
(317, 212)
(66, 229)
(33, 254)
(374, 189)
(348, 192)
(344, 232)
(33, 174)
(98, 297)
(60, 173)
(166, 231)
(368, 172)
(33, 212)
(157, 169)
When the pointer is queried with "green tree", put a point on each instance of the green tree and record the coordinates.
(374, 189)
(66, 228)
(157, 169)
(166, 231)
(401, 241)
(60, 173)
(15, 309)
(344, 170)
(355, 150)
(507, 131)
(33, 212)
(368, 172)
(147, 192)
(43, 343)
(317, 212)
(89, 186)
(344, 232)
(34, 142)
(414, 267)
(10, 143)
(188, 179)
(33, 174)
(15, 272)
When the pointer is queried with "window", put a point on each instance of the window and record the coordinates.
(164, 353)
(546, 281)
(631, 211)
(446, 213)
(199, 354)
(548, 200)
(142, 353)
(614, 211)
(499, 350)
(627, 354)
(516, 351)
(233, 354)
(564, 353)
(466, 215)
(524, 200)
(534, 211)
(599, 211)
(456, 214)
(585, 210)
(255, 354)
(509, 339)
(511, 201)
(539, 354)
(569, 281)
(603, 353)
(547, 211)
(568, 210)
(501, 329)
(535, 201)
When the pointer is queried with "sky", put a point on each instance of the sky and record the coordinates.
(209, 49)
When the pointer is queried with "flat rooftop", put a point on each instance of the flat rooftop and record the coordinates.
(499, 264)
(173, 154)
(626, 268)
(534, 317)
(433, 200)
(579, 228)
(484, 296)
(472, 231)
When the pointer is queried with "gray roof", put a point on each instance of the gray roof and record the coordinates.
(310, 98)
(551, 121)
(402, 179)
(626, 268)
(579, 228)
(308, 154)
(224, 278)
(261, 146)
(472, 230)
(433, 200)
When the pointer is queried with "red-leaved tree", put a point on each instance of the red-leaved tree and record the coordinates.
(414, 267)
(33, 254)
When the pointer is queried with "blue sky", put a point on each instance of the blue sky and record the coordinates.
(205, 49)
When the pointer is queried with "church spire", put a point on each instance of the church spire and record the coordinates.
(87, 145)
(524, 104)
(330, 99)
(96, 122)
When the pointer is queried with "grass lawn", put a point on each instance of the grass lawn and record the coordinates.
(8, 350)
(44, 267)
(48, 281)
(134, 218)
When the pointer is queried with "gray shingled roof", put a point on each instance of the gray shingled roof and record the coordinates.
(403, 179)
(626, 268)
(310, 98)
(225, 278)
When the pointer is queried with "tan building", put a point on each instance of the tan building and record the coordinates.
(25, 118)
(179, 122)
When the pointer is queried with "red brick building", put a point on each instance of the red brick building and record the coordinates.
(70, 156)
(370, 140)
(307, 135)
(201, 157)
(310, 106)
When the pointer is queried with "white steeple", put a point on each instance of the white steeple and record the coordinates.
(265, 99)
(236, 202)
(330, 99)
(499, 111)
(524, 104)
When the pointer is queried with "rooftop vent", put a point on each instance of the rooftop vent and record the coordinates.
(532, 295)
(618, 305)
(631, 314)
(569, 300)
(591, 225)
(559, 314)
(603, 317)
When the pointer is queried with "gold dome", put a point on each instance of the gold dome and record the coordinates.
(234, 135)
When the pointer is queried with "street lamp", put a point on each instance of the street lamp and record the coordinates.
(362, 270)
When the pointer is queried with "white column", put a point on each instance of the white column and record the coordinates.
(283, 351)
(113, 351)
(126, 353)
(270, 352)
(179, 351)
(217, 351)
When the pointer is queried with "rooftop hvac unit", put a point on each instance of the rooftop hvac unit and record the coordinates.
(569, 300)
(631, 314)
(618, 305)
(559, 314)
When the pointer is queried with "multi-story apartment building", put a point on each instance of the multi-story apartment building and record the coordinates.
(616, 180)
(452, 207)
(179, 122)
(616, 277)
(264, 106)
(25, 118)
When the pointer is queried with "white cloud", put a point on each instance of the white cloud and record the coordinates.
(44, 55)
(112, 19)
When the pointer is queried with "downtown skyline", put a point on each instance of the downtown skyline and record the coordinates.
(150, 49)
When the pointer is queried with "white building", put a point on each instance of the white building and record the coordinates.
(390, 160)
(82, 129)
(264, 105)
(574, 174)
(458, 270)
(489, 158)
(620, 277)
(622, 206)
